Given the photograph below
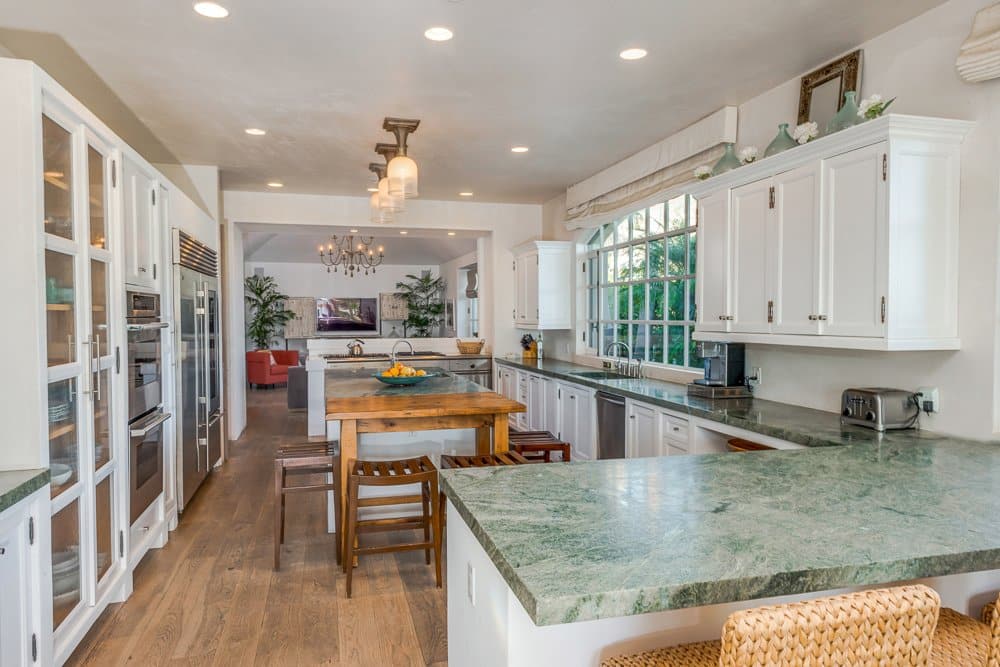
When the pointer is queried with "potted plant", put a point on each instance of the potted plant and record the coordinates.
(267, 310)
(424, 302)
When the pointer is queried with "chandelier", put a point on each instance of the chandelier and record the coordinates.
(351, 255)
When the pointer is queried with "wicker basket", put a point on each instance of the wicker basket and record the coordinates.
(469, 347)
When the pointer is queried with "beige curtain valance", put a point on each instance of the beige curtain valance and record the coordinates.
(650, 174)
(979, 58)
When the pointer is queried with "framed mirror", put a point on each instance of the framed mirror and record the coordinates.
(822, 91)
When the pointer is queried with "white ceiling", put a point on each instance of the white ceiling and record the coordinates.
(319, 76)
(290, 243)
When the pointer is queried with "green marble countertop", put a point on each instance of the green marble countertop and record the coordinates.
(804, 426)
(16, 485)
(359, 382)
(601, 539)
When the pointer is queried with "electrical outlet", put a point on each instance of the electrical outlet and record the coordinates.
(471, 584)
(758, 373)
(930, 401)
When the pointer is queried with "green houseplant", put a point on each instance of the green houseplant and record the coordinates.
(267, 310)
(425, 304)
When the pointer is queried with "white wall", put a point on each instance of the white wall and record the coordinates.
(915, 62)
(507, 225)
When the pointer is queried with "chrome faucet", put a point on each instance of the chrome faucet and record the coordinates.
(392, 355)
(356, 347)
(628, 367)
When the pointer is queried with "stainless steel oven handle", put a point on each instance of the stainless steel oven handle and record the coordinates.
(149, 426)
(151, 326)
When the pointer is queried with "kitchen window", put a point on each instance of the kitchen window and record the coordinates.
(641, 284)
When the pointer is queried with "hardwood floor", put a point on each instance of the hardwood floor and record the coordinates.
(210, 596)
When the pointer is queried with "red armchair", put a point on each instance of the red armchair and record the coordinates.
(260, 370)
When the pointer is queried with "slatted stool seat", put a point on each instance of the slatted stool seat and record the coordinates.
(394, 473)
(482, 460)
(962, 640)
(889, 627)
(538, 446)
(319, 458)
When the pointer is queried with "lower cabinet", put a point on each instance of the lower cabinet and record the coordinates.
(576, 419)
(536, 403)
(521, 418)
(642, 429)
(25, 638)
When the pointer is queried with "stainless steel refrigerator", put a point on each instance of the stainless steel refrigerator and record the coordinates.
(196, 290)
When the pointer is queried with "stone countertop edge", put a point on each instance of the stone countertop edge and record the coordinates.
(811, 428)
(16, 485)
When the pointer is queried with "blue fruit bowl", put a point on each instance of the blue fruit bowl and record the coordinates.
(404, 381)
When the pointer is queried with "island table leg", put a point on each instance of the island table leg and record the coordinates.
(501, 442)
(348, 453)
(483, 440)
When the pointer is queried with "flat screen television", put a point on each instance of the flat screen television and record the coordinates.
(347, 316)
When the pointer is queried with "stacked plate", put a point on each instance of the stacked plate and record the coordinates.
(66, 575)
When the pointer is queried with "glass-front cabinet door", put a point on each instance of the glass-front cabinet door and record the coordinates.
(81, 307)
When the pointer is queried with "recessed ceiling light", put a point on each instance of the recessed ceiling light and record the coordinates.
(403, 232)
(632, 54)
(519, 149)
(275, 184)
(354, 231)
(451, 233)
(212, 10)
(372, 189)
(438, 34)
(464, 194)
(255, 131)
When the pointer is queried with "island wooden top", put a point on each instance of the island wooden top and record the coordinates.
(420, 405)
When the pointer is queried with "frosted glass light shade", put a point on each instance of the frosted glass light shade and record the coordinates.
(402, 175)
(378, 216)
(387, 201)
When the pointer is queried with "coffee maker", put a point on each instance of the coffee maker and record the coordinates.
(724, 371)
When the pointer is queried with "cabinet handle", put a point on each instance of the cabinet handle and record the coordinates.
(770, 311)
(812, 318)
(631, 416)
(883, 310)
(821, 318)
(885, 166)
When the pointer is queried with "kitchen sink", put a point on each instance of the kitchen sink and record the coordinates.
(600, 375)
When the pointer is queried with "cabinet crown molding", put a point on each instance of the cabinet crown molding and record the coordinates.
(891, 127)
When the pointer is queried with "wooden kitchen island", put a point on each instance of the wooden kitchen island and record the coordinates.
(361, 404)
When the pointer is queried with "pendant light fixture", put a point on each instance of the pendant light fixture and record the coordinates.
(377, 214)
(402, 170)
(387, 200)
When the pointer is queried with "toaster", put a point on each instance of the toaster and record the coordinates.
(879, 408)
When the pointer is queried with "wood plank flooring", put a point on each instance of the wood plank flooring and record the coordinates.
(210, 596)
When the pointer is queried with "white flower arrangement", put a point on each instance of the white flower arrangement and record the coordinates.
(748, 154)
(806, 132)
(702, 172)
(873, 106)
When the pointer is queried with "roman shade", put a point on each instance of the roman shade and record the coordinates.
(979, 58)
(643, 178)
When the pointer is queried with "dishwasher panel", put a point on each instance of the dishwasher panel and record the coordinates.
(610, 426)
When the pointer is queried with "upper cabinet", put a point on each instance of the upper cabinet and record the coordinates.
(542, 285)
(140, 209)
(850, 241)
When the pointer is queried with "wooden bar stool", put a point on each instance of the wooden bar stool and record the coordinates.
(394, 473)
(538, 446)
(887, 627)
(320, 458)
(962, 640)
(482, 460)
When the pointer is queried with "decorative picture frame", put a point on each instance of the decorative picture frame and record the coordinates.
(827, 83)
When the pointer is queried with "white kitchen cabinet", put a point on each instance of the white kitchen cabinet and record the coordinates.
(551, 388)
(25, 638)
(536, 403)
(751, 214)
(521, 418)
(542, 285)
(576, 417)
(674, 434)
(642, 430)
(712, 279)
(140, 216)
(850, 241)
